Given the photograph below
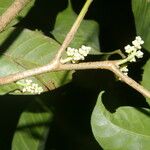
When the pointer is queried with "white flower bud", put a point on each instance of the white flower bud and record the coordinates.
(70, 51)
(139, 54)
(78, 56)
(134, 51)
(83, 52)
(139, 39)
(124, 69)
(29, 87)
(75, 55)
(86, 47)
(136, 44)
(129, 49)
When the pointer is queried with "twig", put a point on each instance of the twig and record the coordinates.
(130, 81)
(11, 12)
(73, 30)
(109, 65)
(53, 67)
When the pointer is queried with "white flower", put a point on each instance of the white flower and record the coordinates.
(129, 49)
(29, 87)
(40, 90)
(139, 54)
(87, 48)
(139, 39)
(70, 51)
(136, 44)
(134, 51)
(75, 55)
(124, 69)
(83, 52)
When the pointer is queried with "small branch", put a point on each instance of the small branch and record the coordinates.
(31, 72)
(127, 59)
(109, 65)
(119, 52)
(53, 67)
(11, 13)
(73, 30)
(130, 81)
(87, 65)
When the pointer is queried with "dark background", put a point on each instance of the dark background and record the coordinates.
(74, 102)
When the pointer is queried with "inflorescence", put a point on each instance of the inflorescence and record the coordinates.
(27, 86)
(133, 52)
(75, 55)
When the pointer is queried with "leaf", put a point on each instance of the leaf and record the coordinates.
(25, 49)
(87, 33)
(4, 4)
(141, 11)
(126, 129)
(145, 78)
(33, 127)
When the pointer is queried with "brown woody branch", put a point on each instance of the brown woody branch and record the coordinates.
(11, 13)
(109, 65)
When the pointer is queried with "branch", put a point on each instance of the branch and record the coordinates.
(109, 65)
(130, 81)
(54, 67)
(73, 30)
(11, 13)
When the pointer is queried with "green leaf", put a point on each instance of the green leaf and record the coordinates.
(4, 4)
(87, 33)
(25, 49)
(33, 127)
(145, 78)
(126, 129)
(141, 11)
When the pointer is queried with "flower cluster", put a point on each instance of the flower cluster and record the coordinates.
(125, 70)
(75, 55)
(135, 50)
(29, 87)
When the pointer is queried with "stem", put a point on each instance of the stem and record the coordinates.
(63, 61)
(109, 65)
(31, 72)
(131, 82)
(73, 30)
(130, 56)
(11, 13)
